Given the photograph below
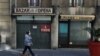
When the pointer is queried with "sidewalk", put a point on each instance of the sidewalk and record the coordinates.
(50, 52)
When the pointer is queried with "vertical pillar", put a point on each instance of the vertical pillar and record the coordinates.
(54, 30)
(13, 32)
(54, 33)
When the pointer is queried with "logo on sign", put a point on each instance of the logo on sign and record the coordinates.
(45, 28)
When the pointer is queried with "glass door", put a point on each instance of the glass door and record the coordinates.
(63, 34)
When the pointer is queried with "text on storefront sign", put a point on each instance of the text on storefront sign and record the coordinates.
(78, 17)
(33, 10)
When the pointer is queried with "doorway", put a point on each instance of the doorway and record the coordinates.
(63, 34)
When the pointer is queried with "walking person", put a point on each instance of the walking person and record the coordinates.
(28, 43)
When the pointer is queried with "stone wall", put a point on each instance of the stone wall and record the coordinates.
(5, 22)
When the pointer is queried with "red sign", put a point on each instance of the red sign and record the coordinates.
(45, 28)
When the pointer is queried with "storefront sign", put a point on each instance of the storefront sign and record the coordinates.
(45, 28)
(78, 17)
(33, 10)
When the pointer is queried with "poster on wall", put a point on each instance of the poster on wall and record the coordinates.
(34, 26)
(45, 28)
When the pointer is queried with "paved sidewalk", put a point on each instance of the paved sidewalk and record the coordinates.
(50, 52)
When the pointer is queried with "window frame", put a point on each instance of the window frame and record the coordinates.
(76, 3)
(34, 4)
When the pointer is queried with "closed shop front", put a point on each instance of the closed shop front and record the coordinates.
(40, 27)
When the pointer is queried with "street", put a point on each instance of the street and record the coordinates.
(50, 52)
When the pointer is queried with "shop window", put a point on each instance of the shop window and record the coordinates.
(34, 3)
(78, 36)
(75, 3)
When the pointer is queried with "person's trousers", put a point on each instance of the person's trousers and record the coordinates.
(29, 48)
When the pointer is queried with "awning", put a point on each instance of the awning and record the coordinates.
(77, 17)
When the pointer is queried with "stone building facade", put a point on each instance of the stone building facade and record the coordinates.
(53, 23)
